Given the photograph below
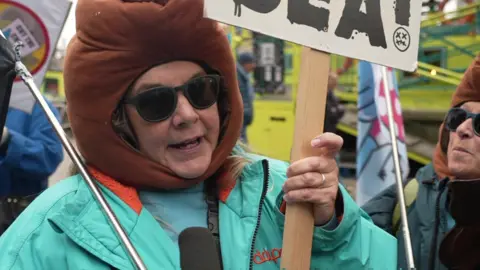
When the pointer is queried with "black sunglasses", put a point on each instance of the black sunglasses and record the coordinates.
(159, 103)
(456, 116)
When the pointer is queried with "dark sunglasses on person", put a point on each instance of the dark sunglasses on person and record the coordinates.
(159, 103)
(456, 116)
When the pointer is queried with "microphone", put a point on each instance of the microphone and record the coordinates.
(198, 250)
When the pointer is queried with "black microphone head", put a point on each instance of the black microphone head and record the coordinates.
(198, 250)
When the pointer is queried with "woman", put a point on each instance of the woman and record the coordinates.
(438, 231)
(156, 112)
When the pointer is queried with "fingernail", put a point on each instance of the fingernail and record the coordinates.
(316, 142)
(285, 198)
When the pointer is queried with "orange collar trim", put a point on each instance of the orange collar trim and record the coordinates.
(129, 195)
(225, 184)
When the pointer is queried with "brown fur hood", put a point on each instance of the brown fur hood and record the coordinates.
(115, 42)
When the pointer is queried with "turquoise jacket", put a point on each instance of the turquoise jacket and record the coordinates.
(65, 229)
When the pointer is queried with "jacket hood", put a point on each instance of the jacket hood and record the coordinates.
(115, 42)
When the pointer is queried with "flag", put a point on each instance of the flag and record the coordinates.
(375, 166)
(37, 24)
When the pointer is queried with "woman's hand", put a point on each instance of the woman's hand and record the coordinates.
(315, 179)
(332, 81)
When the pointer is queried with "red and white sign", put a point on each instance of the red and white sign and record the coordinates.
(37, 24)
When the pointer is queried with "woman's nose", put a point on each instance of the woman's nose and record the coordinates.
(465, 130)
(184, 114)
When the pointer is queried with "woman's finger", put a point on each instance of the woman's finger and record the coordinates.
(321, 164)
(329, 142)
(317, 196)
(310, 180)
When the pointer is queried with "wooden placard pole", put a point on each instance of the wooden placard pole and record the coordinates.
(309, 120)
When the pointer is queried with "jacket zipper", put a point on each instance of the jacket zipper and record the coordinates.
(266, 177)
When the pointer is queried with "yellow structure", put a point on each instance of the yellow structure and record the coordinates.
(53, 85)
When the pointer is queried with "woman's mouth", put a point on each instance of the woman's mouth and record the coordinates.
(460, 149)
(187, 144)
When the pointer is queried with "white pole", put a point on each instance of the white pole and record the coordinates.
(27, 78)
(398, 174)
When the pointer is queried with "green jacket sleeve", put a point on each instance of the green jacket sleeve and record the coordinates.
(34, 242)
(44, 248)
(356, 243)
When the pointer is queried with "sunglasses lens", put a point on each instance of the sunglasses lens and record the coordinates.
(156, 104)
(202, 92)
(476, 124)
(455, 118)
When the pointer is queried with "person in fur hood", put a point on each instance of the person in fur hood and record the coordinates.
(442, 197)
(156, 112)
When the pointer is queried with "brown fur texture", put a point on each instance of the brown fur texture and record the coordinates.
(116, 41)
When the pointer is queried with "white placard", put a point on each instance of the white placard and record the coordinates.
(385, 32)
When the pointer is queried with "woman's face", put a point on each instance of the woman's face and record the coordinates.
(464, 147)
(185, 141)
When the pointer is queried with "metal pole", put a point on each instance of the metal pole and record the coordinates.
(27, 78)
(398, 174)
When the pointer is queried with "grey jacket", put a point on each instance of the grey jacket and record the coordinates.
(427, 219)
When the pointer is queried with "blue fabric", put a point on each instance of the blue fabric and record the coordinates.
(450, 221)
(177, 210)
(248, 94)
(229, 37)
(246, 57)
(34, 152)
